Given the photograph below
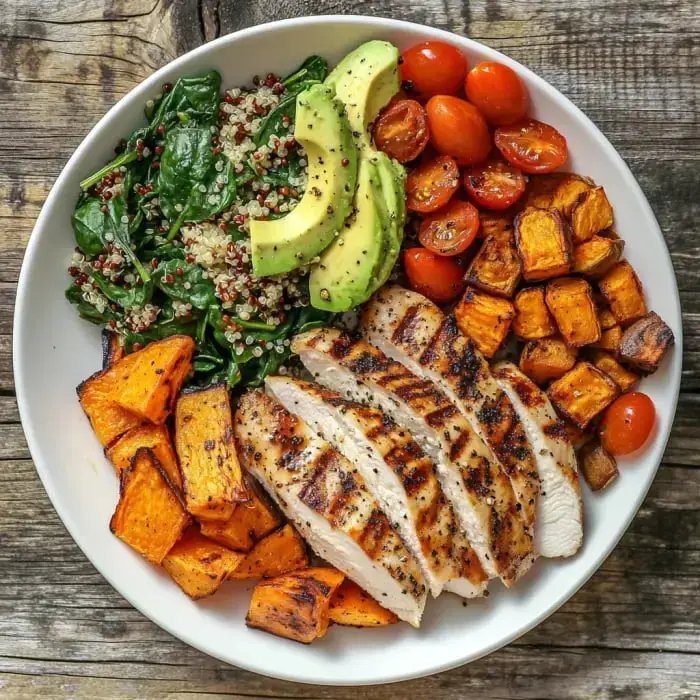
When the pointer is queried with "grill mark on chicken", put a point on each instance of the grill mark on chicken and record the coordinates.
(341, 346)
(406, 327)
(438, 418)
(366, 362)
(556, 430)
(412, 469)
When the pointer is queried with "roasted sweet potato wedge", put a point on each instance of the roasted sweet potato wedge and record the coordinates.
(582, 393)
(149, 517)
(556, 191)
(599, 468)
(211, 474)
(112, 348)
(577, 437)
(596, 256)
(610, 340)
(280, 552)
(532, 318)
(606, 362)
(591, 213)
(249, 522)
(496, 267)
(352, 606)
(645, 343)
(624, 293)
(198, 565)
(570, 301)
(543, 241)
(485, 319)
(547, 358)
(157, 439)
(148, 386)
(606, 318)
(496, 225)
(295, 605)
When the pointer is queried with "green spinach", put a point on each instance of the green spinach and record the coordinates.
(89, 226)
(134, 297)
(186, 282)
(88, 311)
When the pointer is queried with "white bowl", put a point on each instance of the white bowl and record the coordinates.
(54, 350)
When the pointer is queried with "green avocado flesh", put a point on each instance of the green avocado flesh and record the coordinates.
(322, 128)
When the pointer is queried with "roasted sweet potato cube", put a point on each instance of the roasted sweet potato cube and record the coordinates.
(594, 258)
(543, 241)
(606, 318)
(295, 605)
(280, 552)
(577, 437)
(599, 468)
(610, 339)
(570, 301)
(108, 420)
(605, 362)
(250, 521)
(156, 438)
(582, 393)
(591, 213)
(624, 293)
(547, 358)
(112, 348)
(148, 386)
(198, 565)
(645, 343)
(532, 318)
(556, 191)
(352, 606)
(211, 474)
(496, 267)
(496, 225)
(485, 319)
(149, 517)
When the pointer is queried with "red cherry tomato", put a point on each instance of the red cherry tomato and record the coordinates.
(627, 423)
(432, 68)
(436, 277)
(451, 230)
(431, 184)
(457, 129)
(401, 130)
(495, 184)
(532, 146)
(497, 91)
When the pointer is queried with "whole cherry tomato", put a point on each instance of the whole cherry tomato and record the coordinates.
(495, 184)
(401, 130)
(458, 129)
(532, 146)
(435, 276)
(450, 230)
(497, 91)
(431, 184)
(432, 68)
(627, 423)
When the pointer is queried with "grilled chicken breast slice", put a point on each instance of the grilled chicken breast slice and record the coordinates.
(559, 525)
(328, 501)
(474, 483)
(413, 331)
(400, 476)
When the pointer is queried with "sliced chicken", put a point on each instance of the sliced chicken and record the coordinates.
(328, 501)
(559, 525)
(472, 480)
(400, 476)
(413, 331)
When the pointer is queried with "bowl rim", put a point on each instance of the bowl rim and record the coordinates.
(43, 467)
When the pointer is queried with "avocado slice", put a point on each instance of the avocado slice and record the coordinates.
(323, 130)
(349, 266)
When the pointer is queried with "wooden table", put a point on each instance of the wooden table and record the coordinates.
(633, 632)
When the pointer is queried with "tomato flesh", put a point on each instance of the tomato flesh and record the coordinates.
(435, 276)
(432, 68)
(627, 423)
(497, 91)
(431, 184)
(532, 146)
(451, 230)
(458, 129)
(495, 184)
(401, 130)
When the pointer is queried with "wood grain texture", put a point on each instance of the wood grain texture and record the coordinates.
(633, 632)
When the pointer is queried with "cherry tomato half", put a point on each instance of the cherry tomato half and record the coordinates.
(532, 146)
(436, 277)
(401, 130)
(432, 68)
(627, 423)
(497, 91)
(457, 129)
(430, 185)
(451, 230)
(495, 184)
